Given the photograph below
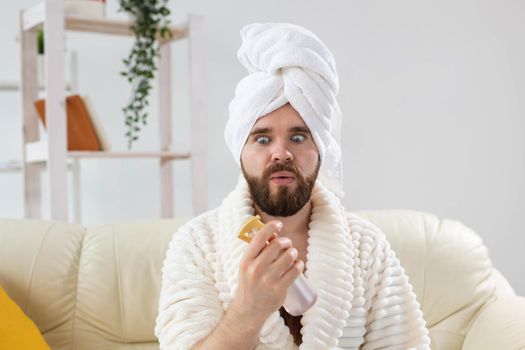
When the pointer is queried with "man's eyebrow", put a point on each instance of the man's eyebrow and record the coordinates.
(258, 131)
(302, 129)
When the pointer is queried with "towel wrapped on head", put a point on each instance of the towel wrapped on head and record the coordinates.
(288, 64)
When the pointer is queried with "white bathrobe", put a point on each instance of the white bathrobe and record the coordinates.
(365, 300)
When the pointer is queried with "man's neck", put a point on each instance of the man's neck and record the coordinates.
(294, 225)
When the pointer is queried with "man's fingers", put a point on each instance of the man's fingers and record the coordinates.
(295, 270)
(275, 249)
(265, 234)
(284, 262)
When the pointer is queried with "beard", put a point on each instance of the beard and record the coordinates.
(286, 202)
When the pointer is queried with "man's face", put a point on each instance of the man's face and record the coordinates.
(280, 162)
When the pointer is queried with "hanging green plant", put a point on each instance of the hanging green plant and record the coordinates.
(151, 20)
(40, 42)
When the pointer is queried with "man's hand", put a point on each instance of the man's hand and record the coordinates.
(268, 268)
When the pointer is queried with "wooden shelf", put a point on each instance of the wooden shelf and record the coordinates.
(11, 85)
(34, 17)
(15, 166)
(115, 27)
(10, 166)
(129, 154)
(36, 152)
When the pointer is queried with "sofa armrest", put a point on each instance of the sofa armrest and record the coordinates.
(500, 325)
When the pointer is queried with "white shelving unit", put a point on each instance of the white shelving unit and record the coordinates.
(15, 166)
(54, 153)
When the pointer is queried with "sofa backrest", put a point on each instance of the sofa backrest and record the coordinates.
(117, 270)
(87, 289)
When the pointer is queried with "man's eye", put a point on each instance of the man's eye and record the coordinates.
(297, 138)
(262, 140)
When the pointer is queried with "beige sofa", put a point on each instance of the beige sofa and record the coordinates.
(98, 288)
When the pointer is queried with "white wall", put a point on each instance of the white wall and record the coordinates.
(432, 93)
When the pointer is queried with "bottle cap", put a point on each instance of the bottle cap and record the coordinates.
(250, 228)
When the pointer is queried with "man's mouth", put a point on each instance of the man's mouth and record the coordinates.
(282, 178)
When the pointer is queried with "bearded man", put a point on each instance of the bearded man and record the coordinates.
(284, 132)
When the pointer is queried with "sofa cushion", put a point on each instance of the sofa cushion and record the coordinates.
(38, 269)
(119, 284)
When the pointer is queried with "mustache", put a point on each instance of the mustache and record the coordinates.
(281, 167)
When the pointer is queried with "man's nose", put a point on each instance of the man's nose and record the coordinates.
(281, 153)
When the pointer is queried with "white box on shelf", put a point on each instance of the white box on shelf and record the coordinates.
(85, 8)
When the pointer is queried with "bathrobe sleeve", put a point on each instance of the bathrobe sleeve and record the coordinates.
(394, 320)
(189, 307)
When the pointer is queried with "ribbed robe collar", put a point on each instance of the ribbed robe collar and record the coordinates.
(329, 268)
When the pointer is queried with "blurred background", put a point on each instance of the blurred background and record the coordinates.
(433, 97)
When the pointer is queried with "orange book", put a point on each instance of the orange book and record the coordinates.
(81, 134)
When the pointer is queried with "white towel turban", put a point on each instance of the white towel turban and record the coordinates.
(288, 63)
